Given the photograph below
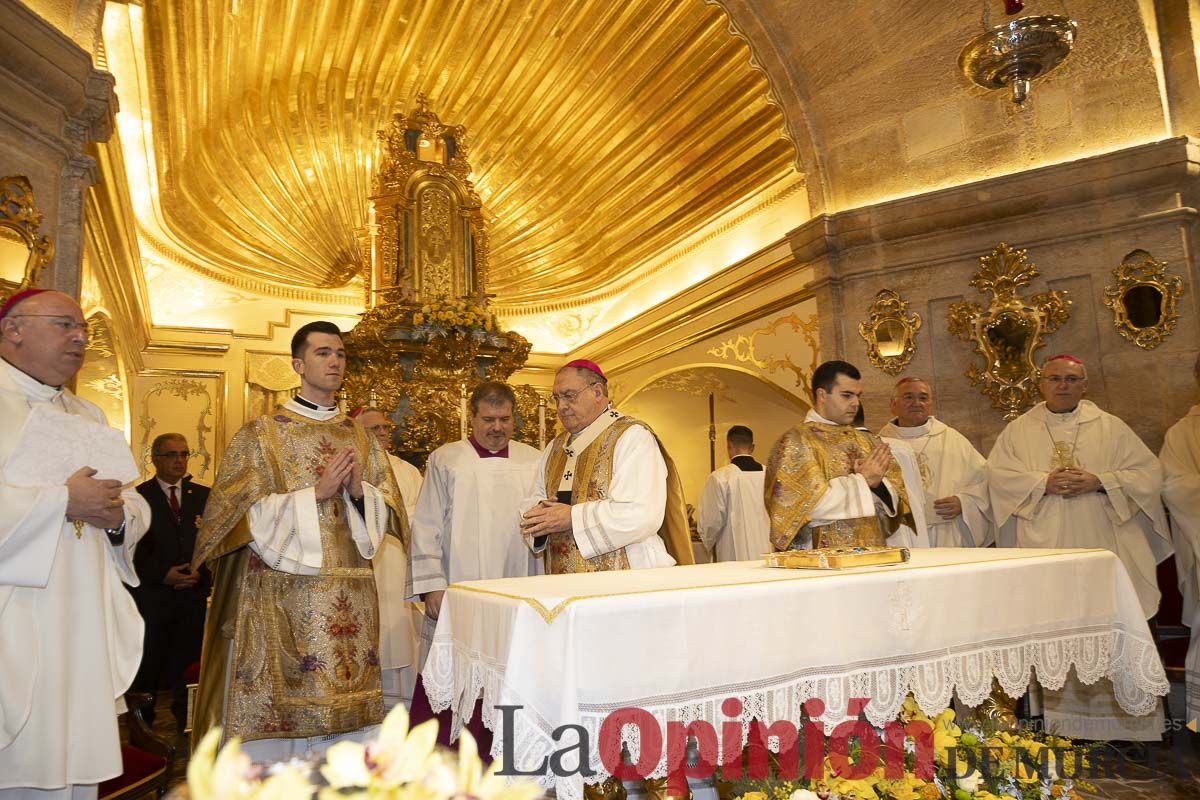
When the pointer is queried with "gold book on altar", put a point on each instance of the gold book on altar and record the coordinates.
(837, 557)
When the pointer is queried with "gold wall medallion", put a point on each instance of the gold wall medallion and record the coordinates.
(1009, 331)
(1143, 299)
(23, 252)
(890, 332)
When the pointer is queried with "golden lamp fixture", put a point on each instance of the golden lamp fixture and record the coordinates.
(1014, 54)
(23, 251)
(1009, 331)
(890, 332)
(1143, 299)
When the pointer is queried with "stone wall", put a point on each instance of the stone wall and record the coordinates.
(54, 104)
(1077, 220)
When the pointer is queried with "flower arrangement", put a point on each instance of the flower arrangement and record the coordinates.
(443, 316)
(400, 764)
(971, 764)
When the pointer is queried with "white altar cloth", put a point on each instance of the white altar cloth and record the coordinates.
(676, 641)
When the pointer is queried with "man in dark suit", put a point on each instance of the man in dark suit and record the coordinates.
(171, 598)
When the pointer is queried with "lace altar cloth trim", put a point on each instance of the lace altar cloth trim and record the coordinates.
(1103, 651)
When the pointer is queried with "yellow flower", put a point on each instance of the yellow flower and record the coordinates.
(753, 796)
(399, 754)
(418, 318)
(219, 776)
(287, 783)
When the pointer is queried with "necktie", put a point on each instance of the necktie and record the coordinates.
(174, 500)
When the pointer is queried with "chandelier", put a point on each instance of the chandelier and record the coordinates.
(1017, 52)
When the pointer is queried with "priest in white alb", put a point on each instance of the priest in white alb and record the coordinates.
(466, 525)
(731, 515)
(952, 473)
(70, 634)
(399, 621)
(1180, 459)
(1067, 474)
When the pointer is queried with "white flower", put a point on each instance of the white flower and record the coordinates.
(969, 783)
(346, 766)
(804, 794)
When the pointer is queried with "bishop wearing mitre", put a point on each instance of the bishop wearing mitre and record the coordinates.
(829, 483)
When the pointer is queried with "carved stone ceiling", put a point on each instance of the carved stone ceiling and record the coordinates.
(602, 133)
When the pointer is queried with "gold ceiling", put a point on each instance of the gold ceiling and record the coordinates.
(602, 132)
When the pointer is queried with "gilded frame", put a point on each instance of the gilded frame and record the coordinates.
(889, 307)
(1009, 331)
(1139, 270)
(19, 214)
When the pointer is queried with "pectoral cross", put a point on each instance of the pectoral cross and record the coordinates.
(1064, 456)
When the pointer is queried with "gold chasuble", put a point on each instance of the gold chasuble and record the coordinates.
(593, 469)
(290, 655)
(799, 473)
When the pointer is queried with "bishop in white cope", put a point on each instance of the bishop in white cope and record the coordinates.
(952, 474)
(70, 634)
(731, 515)
(1180, 459)
(1067, 474)
(399, 620)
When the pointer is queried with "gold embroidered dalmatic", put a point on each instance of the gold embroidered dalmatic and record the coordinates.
(801, 465)
(593, 473)
(305, 648)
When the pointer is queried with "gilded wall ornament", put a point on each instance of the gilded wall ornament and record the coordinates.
(1008, 332)
(890, 331)
(742, 350)
(182, 390)
(23, 251)
(1143, 299)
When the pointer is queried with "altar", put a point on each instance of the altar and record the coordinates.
(676, 642)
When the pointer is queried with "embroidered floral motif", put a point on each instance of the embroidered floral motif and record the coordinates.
(311, 663)
(372, 657)
(281, 418)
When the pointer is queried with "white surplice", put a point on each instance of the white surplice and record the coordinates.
(1128, 519)
(631, 514)
(399, 620)
(953, 467)
(70, 634)
(916, 535)
(731, 514)
(1180, 459)
(467, 525)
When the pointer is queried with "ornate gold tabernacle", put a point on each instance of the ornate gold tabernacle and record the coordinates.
(1143, 300)
(1008, 332)
(426, 338)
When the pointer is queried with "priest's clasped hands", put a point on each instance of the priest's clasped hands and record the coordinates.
(94, 501)
(546, 517)
(874, 466)
(1071, 482)
(342, 471)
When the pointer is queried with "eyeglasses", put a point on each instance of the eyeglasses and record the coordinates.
(383, 427)
(1069, 380)
(174, 454)
(570, 396)
(63, 323)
